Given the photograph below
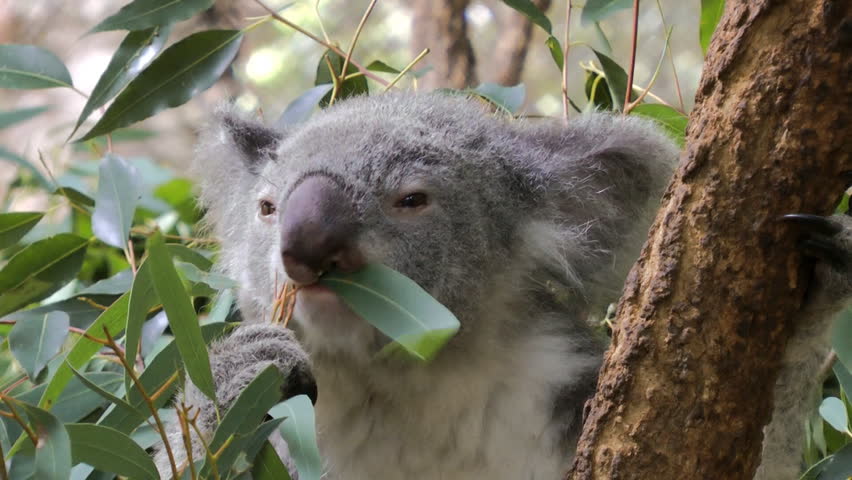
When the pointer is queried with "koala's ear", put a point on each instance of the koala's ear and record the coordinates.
(254, 142)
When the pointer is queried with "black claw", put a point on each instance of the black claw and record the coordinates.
(815, 222)
(824, 250)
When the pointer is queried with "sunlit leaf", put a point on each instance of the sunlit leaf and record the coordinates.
(53, 452)
(182, 71)
(181, 315)
(299, 430)
(116, 201)
(397, 306)
(136, 51)
(532, 12)
(616, 80)
(39, 270)
(13, 226)
(667, 117)
(110, 450)
(597, 10)
(11, 117)
(35, 340)
(142, 14)
(30, 67)
(711, 12)
(834, 412)
(349, 88)
(555, 51)
(508, 98)
(300, 109)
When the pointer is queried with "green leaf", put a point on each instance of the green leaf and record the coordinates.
(53, 452)
(35, 340)
(711, 12)
(672, 121)
(39, 270)
(301, 109)
(11, 117)
(13, 226)
(142, 14)
(532, 12)
(31, 67)
(844, 377)
(246, 413)
(268, 465)
(509, 99)
(112, 399)
(109, 450)
(142, 298)
(182, 71)
(75, 196)
(76, 400)
(397, 306)
(833, 411)
(114, 285)
(602, 39)
(299, 430)
(352, 87)
(135, 53)
(182, 318)
(380, 66)
(116, 201)
(556, 51)
(188, 255)
(23, 163)
(841, 338)
(616, 80)
(834, 467)
(597, 10)
(214, 280)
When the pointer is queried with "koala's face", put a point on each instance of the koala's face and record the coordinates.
(411, 182)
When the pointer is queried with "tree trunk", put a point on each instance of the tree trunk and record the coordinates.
(513, 43)
(440, 25)
(685, 388)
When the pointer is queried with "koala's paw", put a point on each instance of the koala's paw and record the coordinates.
(251, 348)
(829, 240)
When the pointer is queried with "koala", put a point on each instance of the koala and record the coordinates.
(521, 228)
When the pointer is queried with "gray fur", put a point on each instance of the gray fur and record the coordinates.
(532, 227)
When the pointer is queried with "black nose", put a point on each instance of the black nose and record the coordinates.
(300, 381)
(318, 229)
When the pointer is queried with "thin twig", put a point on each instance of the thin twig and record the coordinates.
(17, 383)
(827, 365)
(592, 68)
(30, 433)
(320, 41)
(632, 55)
(131, 256)
(183, 417)
(407, 68)
(565, 49)
(629, 108)
(671, 59)
(319, 20)
(335, 80)
(354, 41)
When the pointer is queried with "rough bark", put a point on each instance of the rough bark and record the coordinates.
(686, 386)
(440, 25)
(516, 31)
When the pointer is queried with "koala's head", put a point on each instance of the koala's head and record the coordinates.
(418, 182)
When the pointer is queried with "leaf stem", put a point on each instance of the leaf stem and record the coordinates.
(632, 55)
(565, 50)
(352, 45)
(9, 401)
(407, 68)
(671, 59)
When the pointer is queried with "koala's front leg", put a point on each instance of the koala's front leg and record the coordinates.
(235, 362)
(829, 240)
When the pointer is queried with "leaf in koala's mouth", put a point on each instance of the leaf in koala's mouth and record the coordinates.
(397, 306)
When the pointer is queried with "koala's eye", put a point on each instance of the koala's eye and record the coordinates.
(266, 208)
(412, 200)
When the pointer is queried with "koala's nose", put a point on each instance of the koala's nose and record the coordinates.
(318, 229)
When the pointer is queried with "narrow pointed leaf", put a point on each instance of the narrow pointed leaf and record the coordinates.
(299, 430)
(181, 314)
(380, 66)
(136, 51)
(532, 12)
(182, 71)
(711, 12)
(300, 109)
(110, 450)
(508, 98)
(397, 306)
(11, 117)
(53, 452)
(39, 270)
(245, 415)
(31, 67)
(35, 340)
(268, 465)
(597, 10)
(672, 121)
(602, 39)
(114, 400)
(114, 285)
(350, 88)
(141, 14)
(116, 201)
(23, 163)
(196, 275)
(13, 226)
(833, 411)
(835, 467)
(616, 80)
(841, 338)
(555, 51)
(142, 298)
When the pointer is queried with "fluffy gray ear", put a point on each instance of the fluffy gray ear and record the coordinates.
(254, 142)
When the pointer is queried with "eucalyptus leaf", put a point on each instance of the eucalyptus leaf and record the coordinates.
(13, 226)
(26, 165)
(835, 467)
(35, 340)
(39, 270)
(616, 80)
(841, 338)
(108, 396)
(268, 465)
(532, 12)
(508, 98)
(556, 51)
(380, 66)
(12, 117)
(142, 14)
(300, 109)
(31, 67)
(597, 10)
(136, 51)
(117, 284)
(142, 298)
(672, 121)
(299, 431)
(711, 13)
(833, 411)
(109, 450)
(196, 275)
(53, 452)
(116, 201)
(349, 88)
(182, 71)
(181, 315)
